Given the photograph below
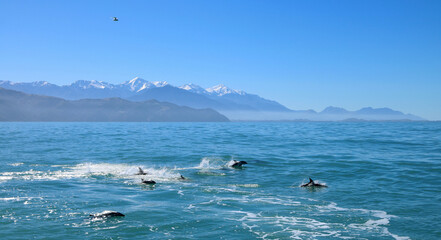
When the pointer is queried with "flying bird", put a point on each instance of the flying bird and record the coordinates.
(115, 19)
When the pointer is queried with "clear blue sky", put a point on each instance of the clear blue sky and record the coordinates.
(303, 54)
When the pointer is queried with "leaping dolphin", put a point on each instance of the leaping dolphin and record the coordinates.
(140, 172)
(238, 164)
(107, 214)
(311, 183)
(148, 182)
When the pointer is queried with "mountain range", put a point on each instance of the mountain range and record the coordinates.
(235, 104)
(218, 97)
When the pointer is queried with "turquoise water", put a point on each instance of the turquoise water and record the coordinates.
(384, 180)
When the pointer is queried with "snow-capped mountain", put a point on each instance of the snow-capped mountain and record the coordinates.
(220, 90)
(237, 98)
(160, 83)
(40, 87)
(41, 83)
(194, 88)
(84, 84)
(32, 84)
(134, 85)
(138, 84)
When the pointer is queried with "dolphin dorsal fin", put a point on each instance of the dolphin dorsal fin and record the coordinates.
(311, 181)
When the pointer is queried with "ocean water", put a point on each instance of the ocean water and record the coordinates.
(384, 180)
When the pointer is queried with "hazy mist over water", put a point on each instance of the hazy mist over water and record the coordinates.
(383, 180)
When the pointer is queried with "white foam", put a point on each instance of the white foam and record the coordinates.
(10, 199)
(222, 189)
(277, 201)
(297, 227)
(377, 225)
(86, 170)
(208, 163)
(231, 162)
(250, 185)
(16, 164)
(301, 227)
(5, 178)
(330, 207)
(17, 199)
(221, 200)
(207, 203)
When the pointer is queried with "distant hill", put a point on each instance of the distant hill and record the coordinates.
(18, 106)
(367, 113)
(328, 114)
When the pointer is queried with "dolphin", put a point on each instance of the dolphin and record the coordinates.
(311, 183)
(140, 172)
(238, 164)
(107, 214)
(148, 182)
